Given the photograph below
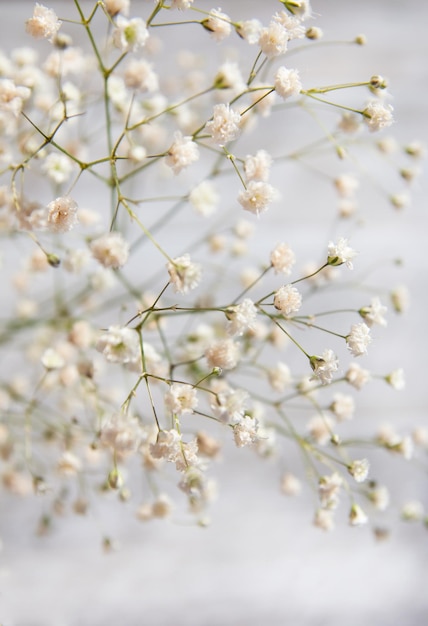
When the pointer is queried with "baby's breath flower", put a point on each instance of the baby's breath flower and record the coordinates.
(58, 167)
(324, 519)
(279, 377)
(204, 198)
(245, 432)
(225, 124)
(359, 470)
(340, 252)
(320, 428)
(12, 97)
(111, 250)
(229, 404)
(396, 379)
(119, 344)
(357, 376)
(257, 167)
(241, 317)
(412, 511)
(229, 77)
(129, 35)
(343, 406)
(374, 313)
(121, 433)
(249, 30)
(183, 274)
(287, 83)
(379, 497)
(358, 339)
(324, 366)
(257, 197)
(329, 489)
(223, 353)
(290, 484)
(357, 517)
(62, 215)
(273, 40)
(44, 23)
(400, 299)
(181, 5)
(292, 24)
(180, 399)
(182, 153)
(218, 24)
(69, 464)
(113, 7)
(288, 300)
(378, 115)
(52, 360)
(139, 75)
(282, 259)
(346, 185)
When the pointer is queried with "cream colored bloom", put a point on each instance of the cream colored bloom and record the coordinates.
(183, 274)
(111, 250)
(288, 300)
(62, 215)
(44, 23)
(182, 153)
(287, 83)
(225, 124)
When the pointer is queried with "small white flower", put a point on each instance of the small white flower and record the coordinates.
(218, 24)
(129, 35)
(257, 197)
(358, 339)
(241, 317)
(357, 376)
(273, 40)
(378, 115)
(374, 313)
(412, 511)
(121, 433)
(288, 300)
(324, 519)
(111, 250)
(279, 377)
(292, 24)
(181, 5)
(140, 75)
(379, 497)
(182, 153)
(62, 215)
(245, 432)
(282, 259)
(396, 379)
(52, 360)
(346, 185)
(249, 30)
(69, 464)
(229, 77)
(287, 83)
(225, 124)
(183, 274)
(290, 484)
(204, 198)
(400, 299)
(357, 516)
(340, 252)
(343, 406)
(113, 7)
(329, 489)
(44, 23)
(58, 167)
(257, 167)
(324, 366)
(223, 353)
(320, 428)
(359, 470)
(119, 345)
(180, 399)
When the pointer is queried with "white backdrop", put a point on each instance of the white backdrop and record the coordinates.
(261, 561)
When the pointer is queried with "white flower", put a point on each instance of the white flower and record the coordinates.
(245, 431)
(287, 83)
(225, 124)
(58, 167)
(292, 24)
(69, 464)
(169, 446)
(301, 8)
(340, 252)
(346, 185)
(62, 215)
(180, 399)
(412, 511)
(113, 7)
(378, 115)
(396, 379)
(359, 470)
(257, 197)
(223, 353)
(357, 516)
(273, 40)
(379, 497)
(119, 345)
(249, 30)
(357, 376)
(129, 35)
(140, 75)
(52, 360)
(257, 167)
(343, 406)
(229, 77)
(287, 299)
(324, 366)
(320, 428)
(400, 299)
(111, 250)
(218, 23)
(44, 23)
(241, 317)
(12, 97)
(324, 519)
(290, 484)
(279, 376)
(183, 274)
(204, 198)
(328, 490)
(374, 313)
(121, 433)
(229, 404)
(182, 153)
(282, 259)
(181, 5)
(358, 339)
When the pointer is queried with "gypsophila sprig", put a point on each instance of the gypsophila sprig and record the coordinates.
(147, 322)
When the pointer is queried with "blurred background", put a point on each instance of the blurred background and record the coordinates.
(261, 561)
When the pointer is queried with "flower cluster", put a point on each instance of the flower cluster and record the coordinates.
(146, 322)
